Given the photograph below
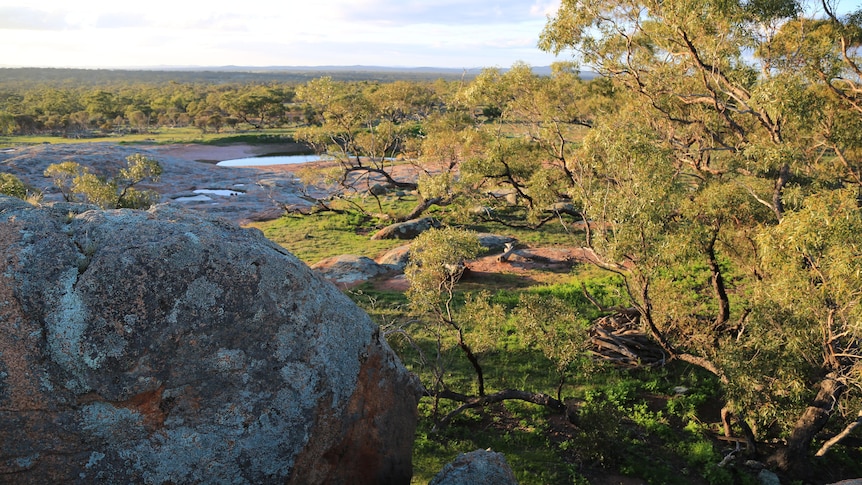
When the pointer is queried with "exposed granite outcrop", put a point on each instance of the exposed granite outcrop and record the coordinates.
(239, 194)
(165, 346)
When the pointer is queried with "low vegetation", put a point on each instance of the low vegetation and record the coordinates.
(116, 191)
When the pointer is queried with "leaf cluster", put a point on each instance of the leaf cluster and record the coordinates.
(80, 184)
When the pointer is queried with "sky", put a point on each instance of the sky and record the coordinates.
(185, 33)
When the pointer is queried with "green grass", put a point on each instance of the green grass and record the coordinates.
(163, 136)
(515, 429)
(629, 421)
(315, 237)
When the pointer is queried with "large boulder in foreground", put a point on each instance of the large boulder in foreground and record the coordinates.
(167, 347)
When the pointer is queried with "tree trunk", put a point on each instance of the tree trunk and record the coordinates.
(420, 208)
(510, 248)
(718, 287)
(794, 458)
(480, 376)
(783, 178)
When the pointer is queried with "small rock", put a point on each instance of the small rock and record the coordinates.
(396, 258)
(495, 243)
(480, 467)
(378, 189)
(564, 208)
(766, 477)
(349, 268)
(754, 464)
(406, 230)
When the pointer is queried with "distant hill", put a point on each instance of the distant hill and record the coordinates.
(237, 74)
(433, 71)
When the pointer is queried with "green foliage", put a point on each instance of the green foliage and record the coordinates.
(12, 186)
(436, 263)
(553, 327)
(78, 183)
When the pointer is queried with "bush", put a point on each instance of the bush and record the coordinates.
(12, 186)
(78, 184)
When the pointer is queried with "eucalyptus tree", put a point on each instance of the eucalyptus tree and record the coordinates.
(259, 106)
(7, 123)
(711, 190)
(103, 105)
(536, 124)
(78, 183)
(369, 130)
(437, 262)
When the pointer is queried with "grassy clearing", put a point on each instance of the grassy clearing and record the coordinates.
(636, 423)
(313, 238)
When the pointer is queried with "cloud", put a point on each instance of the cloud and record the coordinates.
(119, 20)
(447, 12)
(439, 33)
(545, 8)
(26, 18)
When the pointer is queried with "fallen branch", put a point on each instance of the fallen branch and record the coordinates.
(509, 250)
(840, 436)
(617, 338)
(477, 402)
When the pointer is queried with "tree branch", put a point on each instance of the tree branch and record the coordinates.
(840, 436)
(476, 402)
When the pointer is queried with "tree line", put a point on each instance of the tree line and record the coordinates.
(76, 103)
(84, 111)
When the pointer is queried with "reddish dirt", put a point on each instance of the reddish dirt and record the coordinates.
(527, 266)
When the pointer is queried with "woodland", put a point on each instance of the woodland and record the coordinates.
(710, 177)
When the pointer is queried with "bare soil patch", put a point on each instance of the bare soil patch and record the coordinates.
(526, 267)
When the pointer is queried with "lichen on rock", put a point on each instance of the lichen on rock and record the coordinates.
(166, 346)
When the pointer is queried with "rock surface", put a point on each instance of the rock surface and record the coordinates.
(494, 243)
(260, 191)
(406, 230)
(348, 269)
(478, 467)
(164, 346)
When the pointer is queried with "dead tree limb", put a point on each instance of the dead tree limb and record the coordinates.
(840, 436)
(507, 253)
(508, 394)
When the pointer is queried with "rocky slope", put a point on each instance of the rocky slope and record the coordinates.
(235, 193)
